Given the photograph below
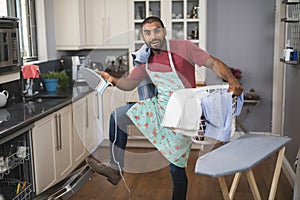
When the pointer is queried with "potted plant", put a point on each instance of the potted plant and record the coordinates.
(54, 79)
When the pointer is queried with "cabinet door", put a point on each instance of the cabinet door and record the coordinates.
(95, 22)
(117, 24)
(106, 23)
(79, 118)
(99, 124)
(43, 143)
(91, 122)
(52, 150)
(63, 120)
(69, 24)
(111, 99)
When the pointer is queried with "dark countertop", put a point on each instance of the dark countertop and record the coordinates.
(18, 115)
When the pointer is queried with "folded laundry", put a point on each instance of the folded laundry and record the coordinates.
(217, 109)
(185, 108)
(30, 71)
(184, 111)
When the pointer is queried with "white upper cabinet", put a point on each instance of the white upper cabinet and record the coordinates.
(85, 24)
(107, 23)
(69, 24)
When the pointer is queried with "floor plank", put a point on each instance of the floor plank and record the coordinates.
(156, 185)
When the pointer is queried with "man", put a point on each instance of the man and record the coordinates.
(170, 66)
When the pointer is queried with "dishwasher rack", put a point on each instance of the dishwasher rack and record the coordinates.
(16, 175)
(15, 189)
(14, 158)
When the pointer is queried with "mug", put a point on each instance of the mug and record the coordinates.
(3, 164)
(4, 115)
(22, 152)
(3, 97)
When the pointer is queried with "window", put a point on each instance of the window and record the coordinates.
(25, 11)
(3, 8)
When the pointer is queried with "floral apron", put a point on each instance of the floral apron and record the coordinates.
(147, 115)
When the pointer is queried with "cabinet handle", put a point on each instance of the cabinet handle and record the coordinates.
(57, 132)
(97, 105)
(108, 27)
(60, 134)
(103, 28)
(87, 114)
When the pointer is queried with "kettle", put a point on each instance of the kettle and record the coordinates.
(3, 98)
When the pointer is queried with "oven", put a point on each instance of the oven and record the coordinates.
(16, 174)
(9, 45)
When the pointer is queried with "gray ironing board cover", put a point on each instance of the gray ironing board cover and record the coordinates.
(239, 155)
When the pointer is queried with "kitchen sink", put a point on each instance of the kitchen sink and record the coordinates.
(51, 96)
(46, 98)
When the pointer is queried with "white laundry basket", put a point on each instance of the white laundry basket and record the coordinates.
(201, 138)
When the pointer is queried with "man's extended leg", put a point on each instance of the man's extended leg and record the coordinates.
(118, 141)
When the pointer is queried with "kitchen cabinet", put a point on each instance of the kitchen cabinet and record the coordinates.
(106, 24)
(87, 126)
(93, 133)
(292, 32)
(141, 10)
(52, 148)
(188, 21)
(79, 116)
(86, 24)
(69, 24)
(113, 98)
(185, 20)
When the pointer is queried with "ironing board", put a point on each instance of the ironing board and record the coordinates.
(241, 155)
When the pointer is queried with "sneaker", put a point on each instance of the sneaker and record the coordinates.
(113, 175)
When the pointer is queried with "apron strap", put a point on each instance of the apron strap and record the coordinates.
(170, 58)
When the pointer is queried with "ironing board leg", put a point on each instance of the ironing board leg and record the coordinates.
(276, 174)
(234, 185)
(253, 185)
(224, 188)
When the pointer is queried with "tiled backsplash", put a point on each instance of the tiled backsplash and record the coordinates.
(14, 87)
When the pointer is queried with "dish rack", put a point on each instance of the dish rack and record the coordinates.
(15, 189)
(13, 157)
(201, 138)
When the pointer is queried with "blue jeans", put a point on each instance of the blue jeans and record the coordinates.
(118, 135)
(119, 118)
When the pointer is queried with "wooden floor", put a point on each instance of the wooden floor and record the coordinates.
(156, 185)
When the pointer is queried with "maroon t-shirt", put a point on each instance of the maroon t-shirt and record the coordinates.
(184, 55)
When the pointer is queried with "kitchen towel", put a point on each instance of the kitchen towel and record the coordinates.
(146, 89)
(141, 55)
(30, 71)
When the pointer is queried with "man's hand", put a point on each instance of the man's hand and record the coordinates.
(107, 76)
(222, 70)
(235, 87)
(122, 83)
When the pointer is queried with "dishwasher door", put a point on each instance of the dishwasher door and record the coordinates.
(16, 175)
(67, 188)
